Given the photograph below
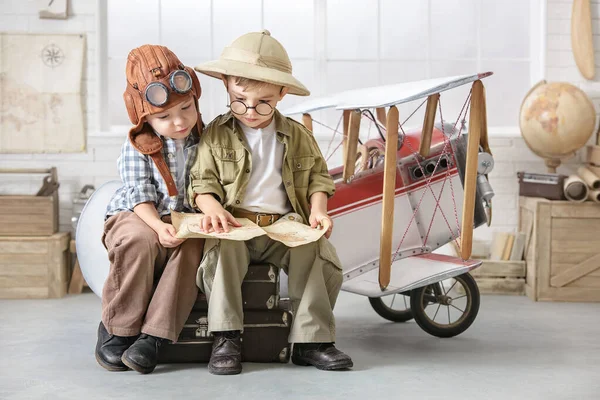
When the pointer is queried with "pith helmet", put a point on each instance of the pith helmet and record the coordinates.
(258, 56)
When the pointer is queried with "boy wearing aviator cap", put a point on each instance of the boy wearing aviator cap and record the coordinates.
(162, 102)
(255, 163)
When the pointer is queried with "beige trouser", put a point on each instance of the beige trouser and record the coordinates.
(314, 281)
(137, 261)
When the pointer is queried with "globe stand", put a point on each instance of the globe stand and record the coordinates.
(552, 164)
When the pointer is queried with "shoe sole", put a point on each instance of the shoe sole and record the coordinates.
(136, 367)
(224, 371)
(303, 362)
(110, 367)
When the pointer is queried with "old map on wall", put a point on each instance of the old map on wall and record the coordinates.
(41, 107)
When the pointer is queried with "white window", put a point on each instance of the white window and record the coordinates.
(339, 44)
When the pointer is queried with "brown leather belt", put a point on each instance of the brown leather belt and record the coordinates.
(260, 219)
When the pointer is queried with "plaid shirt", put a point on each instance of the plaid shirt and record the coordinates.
(142, 181)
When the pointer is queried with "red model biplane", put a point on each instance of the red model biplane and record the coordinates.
(398, 198)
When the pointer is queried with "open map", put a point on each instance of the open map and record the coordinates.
(286, 230)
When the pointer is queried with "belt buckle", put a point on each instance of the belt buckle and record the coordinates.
(259, 215)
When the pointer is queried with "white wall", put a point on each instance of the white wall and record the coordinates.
(98, 164)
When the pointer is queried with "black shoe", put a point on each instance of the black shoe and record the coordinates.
(226, 356)
(322, 355)
(142, 356)
(110, 348)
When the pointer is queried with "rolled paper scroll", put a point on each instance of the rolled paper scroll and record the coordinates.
(575, 189)
(594, 195)
(590, 178)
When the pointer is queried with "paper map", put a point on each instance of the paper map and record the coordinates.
(286, 230)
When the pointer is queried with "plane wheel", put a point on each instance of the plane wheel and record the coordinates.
(446, 309)
(384, 306)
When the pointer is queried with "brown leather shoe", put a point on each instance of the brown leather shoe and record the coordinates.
(226, 356)
(321, 355)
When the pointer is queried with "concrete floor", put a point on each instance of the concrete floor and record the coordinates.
(516, 349)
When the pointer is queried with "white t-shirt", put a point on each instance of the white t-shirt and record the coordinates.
(180, 162)
(265, 192)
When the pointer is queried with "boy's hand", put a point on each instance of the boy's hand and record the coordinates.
(321, 219)
(166, 235)
(218, 219)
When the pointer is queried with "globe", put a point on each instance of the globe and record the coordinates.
(556, 120)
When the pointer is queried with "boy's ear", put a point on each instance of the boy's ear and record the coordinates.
(225, 82)
(283, 92)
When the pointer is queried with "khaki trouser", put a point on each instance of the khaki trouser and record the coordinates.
(137, 261)
(314, 281)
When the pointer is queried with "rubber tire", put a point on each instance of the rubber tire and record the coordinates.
(385, 312)
(418, 310)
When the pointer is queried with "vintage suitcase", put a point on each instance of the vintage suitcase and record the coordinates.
(547, 186)
(265, 339)
(260, 289)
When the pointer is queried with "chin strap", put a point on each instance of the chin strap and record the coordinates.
(149, 143)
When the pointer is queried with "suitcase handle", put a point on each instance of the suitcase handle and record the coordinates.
(49, 183)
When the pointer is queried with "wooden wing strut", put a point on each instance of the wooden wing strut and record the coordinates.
(476, 122)
(351, 145)
(307, 121)
(432, 102)
(389, 188)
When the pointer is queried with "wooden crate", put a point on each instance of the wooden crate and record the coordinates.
(29, 215)
(34, 267)
(500, 277)
(562, 249)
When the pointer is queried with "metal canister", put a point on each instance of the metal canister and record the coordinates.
(79, 202)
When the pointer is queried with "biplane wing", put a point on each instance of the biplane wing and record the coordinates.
(409, 273)
(383, 96)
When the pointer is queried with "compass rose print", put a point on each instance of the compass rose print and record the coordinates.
(52, 55)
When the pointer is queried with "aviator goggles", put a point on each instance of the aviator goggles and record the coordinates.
(157, 93)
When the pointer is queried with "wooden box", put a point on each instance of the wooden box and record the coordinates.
(34, 267)
(562, 249)
(29, 215)
(500, 277)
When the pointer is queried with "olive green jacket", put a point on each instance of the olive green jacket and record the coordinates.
(223, 164)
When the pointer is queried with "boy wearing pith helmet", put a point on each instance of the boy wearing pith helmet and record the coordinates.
(255, 163)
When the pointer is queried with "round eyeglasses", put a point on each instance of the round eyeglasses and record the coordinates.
(238, 107)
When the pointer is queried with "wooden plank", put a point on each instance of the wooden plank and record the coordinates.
(470, 180)
(558, 268)
(352, 142)
(28, 270)
(574, 234)
(561, 257)
(23, 247)
(20, 260)
(542, 245)
(24, 293)
(23, 281)
(569, 294)
(428, 122)
(514, 286)
(565, 209)
(389, 186)
(57, 266)
(568, 223)
(574, 246)
(588, 281)
(491, 268)
(581, 269)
